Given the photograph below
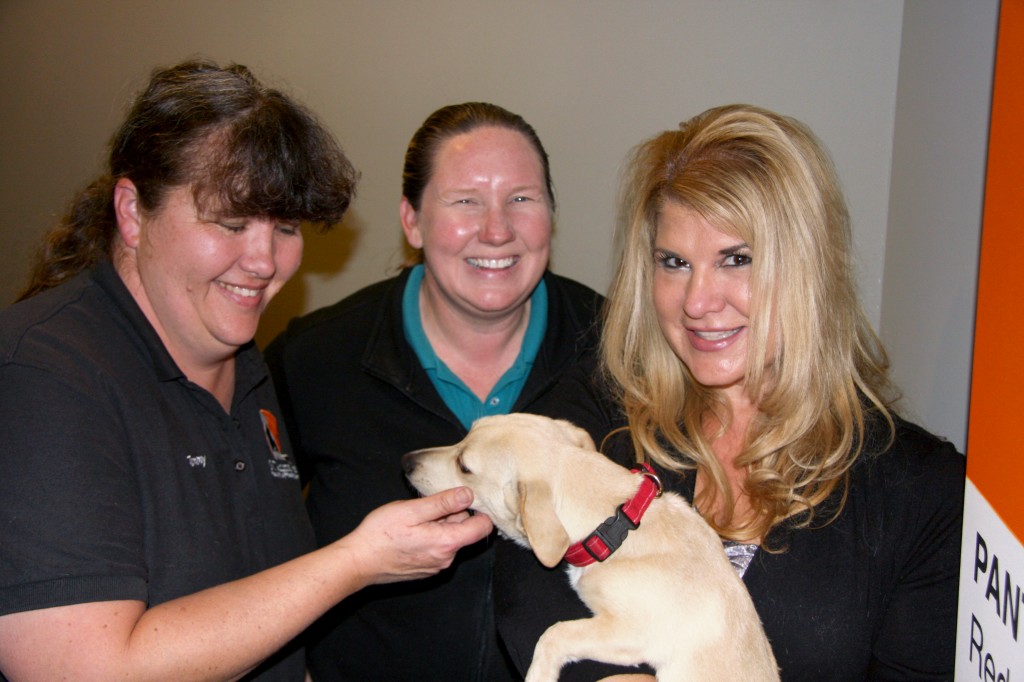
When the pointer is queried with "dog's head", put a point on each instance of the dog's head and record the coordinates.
(513, 464)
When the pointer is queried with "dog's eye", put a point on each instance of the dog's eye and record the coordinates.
(462, 465)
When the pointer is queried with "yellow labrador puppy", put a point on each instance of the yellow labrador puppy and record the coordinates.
(653, 573)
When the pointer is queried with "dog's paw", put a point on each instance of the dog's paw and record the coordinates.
(545, 666)
(536, 674)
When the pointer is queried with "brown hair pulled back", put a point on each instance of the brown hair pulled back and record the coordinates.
(245, 149)
(456, 119)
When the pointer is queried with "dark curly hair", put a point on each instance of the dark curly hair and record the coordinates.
(245, 148)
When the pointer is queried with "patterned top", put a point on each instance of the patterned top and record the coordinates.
(740, 555)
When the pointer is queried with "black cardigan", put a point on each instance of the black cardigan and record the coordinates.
(355, 399)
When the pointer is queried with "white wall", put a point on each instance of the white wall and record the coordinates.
(594, 77)
(933, 240)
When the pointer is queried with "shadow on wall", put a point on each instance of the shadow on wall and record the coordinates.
(325, 254)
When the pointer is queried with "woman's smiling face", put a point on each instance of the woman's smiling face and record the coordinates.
(203, 281)
(701, 290)
(484, 222)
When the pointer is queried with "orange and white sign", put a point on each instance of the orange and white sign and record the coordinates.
(990, 631)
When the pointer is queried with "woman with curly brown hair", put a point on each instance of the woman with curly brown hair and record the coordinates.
(150, 507)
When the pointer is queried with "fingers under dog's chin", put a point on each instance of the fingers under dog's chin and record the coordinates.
(458, 517)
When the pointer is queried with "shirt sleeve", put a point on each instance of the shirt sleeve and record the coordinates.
(916, 637)
(69, 507)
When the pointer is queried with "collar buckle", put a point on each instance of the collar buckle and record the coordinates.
(612, 532)
(610, 535)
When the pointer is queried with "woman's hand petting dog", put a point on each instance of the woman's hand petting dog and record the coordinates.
(413, 539)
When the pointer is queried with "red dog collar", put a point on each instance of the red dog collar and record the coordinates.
(610, 535)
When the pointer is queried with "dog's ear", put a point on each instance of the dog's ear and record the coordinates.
(541, 525)
(576, 435)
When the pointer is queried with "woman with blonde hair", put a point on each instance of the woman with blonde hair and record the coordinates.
(749, 375)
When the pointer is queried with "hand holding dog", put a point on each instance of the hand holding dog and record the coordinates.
(413, 539)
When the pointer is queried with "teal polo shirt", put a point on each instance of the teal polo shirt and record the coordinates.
(456, 395)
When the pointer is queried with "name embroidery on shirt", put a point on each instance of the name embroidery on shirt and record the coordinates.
(196, 461)
(280, 463)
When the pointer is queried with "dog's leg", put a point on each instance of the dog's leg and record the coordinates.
(597, 639)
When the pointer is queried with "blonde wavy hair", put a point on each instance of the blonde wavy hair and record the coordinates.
(766, 179)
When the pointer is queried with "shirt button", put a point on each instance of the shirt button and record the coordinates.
(495, 401)
(239, 465)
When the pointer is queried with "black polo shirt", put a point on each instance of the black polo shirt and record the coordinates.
(120, 478)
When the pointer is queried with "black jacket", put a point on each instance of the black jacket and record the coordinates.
(355, 398)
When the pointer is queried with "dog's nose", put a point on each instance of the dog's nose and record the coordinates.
(409, 462)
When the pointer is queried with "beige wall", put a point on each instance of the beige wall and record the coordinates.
(933, 240)
(594, 77)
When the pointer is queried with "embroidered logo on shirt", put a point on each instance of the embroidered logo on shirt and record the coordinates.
(196, 461)
(280, 463)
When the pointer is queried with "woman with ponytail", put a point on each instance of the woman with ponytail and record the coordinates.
(150, 508)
